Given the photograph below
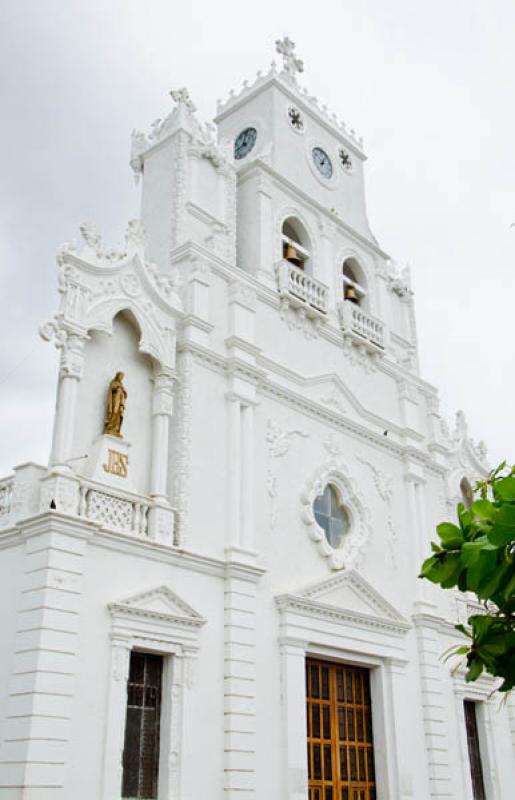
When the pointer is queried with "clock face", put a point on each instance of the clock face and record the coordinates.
(322, 162)
(244, 143)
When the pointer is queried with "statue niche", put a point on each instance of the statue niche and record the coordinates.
(115, 407)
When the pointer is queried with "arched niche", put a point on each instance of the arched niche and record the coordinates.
(296, 244)
(354, 286)
(105, 353)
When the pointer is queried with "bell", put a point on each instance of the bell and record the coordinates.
(291, 255)
(350, 294)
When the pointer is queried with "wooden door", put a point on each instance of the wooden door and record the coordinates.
(339, 735)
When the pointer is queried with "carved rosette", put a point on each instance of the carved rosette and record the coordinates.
(337, 474)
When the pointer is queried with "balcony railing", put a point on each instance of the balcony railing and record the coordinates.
(362, 325)
(113, 509)
(301, 288)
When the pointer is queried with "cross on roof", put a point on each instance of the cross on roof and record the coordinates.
(182, 97)
(291, 64)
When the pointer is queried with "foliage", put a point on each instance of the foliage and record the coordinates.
(478, 555)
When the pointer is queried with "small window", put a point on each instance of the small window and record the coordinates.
(353, 282)
(331, 515)
(476, 768)
(142, 727)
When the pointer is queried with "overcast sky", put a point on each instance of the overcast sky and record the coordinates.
(430, 87)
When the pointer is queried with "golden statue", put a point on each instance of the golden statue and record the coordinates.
(116, 397)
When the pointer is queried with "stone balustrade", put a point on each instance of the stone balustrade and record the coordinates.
(301, 288)
(364, 326)
(33, 490)
(115, 510)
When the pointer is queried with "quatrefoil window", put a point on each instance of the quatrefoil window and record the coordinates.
(331, 516)
(295, 118)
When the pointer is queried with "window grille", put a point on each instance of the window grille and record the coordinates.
(476, 768)
(339, 736)
(141, 748)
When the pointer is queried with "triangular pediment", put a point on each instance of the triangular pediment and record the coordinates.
(160, 602)
(346, 596)
(350, 591)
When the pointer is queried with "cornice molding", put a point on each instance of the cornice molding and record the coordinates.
(316, 609)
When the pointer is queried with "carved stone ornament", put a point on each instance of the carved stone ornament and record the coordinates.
(96, 283)
(182, 97)
(296, 319)
(383, 482)
(279, 441)
(291, 64)
(336, 473)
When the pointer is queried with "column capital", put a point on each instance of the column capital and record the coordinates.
(72, 356)
(162, 402)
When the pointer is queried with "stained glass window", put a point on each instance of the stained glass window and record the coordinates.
(331, 516)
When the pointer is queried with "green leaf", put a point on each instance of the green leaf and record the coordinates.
(505, 490)
(503, 528)
(483, 509)
(509, 590)
(474, 671)
(471, 551)
(427, 567)
(450, 535)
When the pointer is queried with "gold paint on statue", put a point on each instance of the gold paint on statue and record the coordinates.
(117, 464)
(116, 397)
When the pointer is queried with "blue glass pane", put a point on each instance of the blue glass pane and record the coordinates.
(331, 516)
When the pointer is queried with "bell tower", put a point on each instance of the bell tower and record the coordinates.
(289, 150)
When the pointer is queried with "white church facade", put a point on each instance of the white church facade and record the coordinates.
(211, 590)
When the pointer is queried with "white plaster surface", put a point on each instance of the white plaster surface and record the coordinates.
(269, 397)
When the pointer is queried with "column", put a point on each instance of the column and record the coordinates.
(161, 515)
(415, 482)
(266, 257)
(240, 473)
(234, 471)
(247, 478)
(70, 373)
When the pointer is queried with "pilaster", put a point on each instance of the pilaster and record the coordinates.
(434, 708)
(240, 681)
(293, 694)
(34, 752)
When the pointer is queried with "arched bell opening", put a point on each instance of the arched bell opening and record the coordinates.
(296, 247)
(354, 288)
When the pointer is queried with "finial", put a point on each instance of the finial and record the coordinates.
(182, 97)
(291, 64)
